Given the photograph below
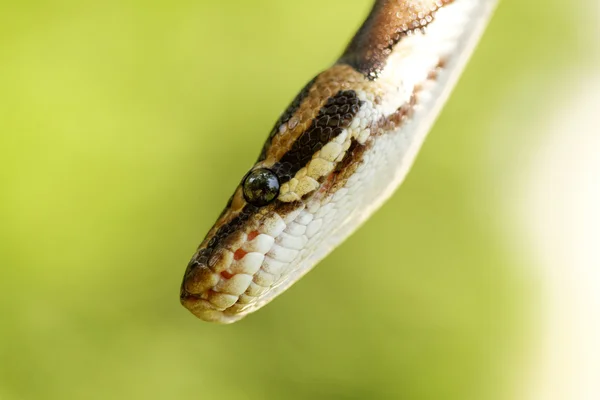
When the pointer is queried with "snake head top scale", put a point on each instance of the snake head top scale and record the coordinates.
(335, 155)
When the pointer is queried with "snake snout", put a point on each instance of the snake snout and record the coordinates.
(199, 278)
(216, 280)
(199, 297)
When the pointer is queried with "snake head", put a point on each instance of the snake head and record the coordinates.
(271, 231)
(334, 156)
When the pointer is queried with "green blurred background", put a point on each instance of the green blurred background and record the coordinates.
(124, 128)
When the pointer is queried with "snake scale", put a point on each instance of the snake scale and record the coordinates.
(338, 151)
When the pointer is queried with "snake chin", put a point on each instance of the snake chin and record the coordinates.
(205, 310)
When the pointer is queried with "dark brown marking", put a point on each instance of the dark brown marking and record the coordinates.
(355, 153)
(286, 116)
(435, 72)
(349, 157)
(397, 118)
(388, 22)
(336, 114)
(345, 168)
(405, 111)
(205, 254)
(283, 209)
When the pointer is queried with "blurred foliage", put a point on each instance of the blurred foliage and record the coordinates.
(125, 126)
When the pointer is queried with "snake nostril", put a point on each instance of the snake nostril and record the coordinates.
(200, 279)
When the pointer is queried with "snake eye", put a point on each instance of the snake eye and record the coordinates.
(260, 187)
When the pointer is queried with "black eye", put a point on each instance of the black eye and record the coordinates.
(260, 187)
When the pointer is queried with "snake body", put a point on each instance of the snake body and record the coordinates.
(335, 155)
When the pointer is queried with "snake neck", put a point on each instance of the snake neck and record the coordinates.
(389, 22)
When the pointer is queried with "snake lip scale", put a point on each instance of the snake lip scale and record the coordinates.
(340, 149)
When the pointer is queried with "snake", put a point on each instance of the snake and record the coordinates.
(335, 155)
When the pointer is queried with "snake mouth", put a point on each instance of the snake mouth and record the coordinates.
(226, 279)
(206, 311)
(229, 283)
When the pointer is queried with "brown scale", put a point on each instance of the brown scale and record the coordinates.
(206, 254)
(397, 118)
(334, 116)
(352, 159)
(326, 85)
(387, 24)
(355, 153)
(286, 116)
